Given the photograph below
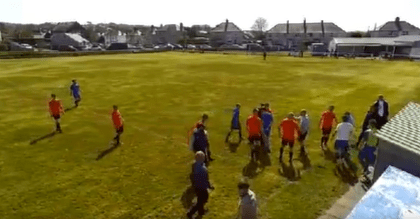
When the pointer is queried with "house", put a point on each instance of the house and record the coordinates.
(394, 195)
(399, 142)
(69, 27)
(415, 50)
(170, 33)
(292, 35)
(395, 28)
(226, 33)
(114, 36)
(373, 46)
(69, 39)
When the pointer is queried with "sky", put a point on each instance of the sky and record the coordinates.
(350, 16)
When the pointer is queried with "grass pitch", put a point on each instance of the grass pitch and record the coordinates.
(160, 97)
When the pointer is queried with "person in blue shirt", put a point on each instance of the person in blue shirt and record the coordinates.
(201, 184)
(267, 119)
(235, 123)
(75, 92)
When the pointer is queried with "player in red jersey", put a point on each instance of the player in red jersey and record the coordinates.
(118, 124)
(327, 122)
(56, 109)
(288, 130)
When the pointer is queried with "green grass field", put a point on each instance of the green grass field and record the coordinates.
(160, 97)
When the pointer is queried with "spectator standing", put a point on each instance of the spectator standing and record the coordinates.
(201, 184)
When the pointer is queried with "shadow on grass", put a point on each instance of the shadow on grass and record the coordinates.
(71, 108)
(347, 175)
(250, 170)
(233, 147)
(304, 158)
(329, 155)
(43, 137)
(289, 171)
(264, 159)
(187, 197)
(107, 151)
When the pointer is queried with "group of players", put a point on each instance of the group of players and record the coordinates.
(294, 129)
(291, 128)
(56, 111)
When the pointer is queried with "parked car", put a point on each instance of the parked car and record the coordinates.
(205, 47)
(117, 46)
(96, 48)
(232, 47)
(190, 46)
(254, 47)
(178, 46)
(27, 46)
(67, 48)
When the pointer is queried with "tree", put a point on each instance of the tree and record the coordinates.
(260, 25)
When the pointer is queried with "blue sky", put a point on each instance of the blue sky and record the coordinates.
(351, 15)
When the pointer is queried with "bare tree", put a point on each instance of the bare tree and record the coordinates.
(259, 27)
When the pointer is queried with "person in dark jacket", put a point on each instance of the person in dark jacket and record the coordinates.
(371, 114)
(382, 110)
(201, 184)
(200, 141)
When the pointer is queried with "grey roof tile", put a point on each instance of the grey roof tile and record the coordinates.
(390, 26)
(404, 128)
(221, 27)
(310, 28)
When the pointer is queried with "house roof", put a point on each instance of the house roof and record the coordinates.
(379, 41)
(167, 26)
(230, 27)
(404, 128)
(65, 27)
(310, 28)
(77, 37)
(391, 26)
(394, 195)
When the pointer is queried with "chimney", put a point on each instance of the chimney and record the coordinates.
(287, 27)
(181, 27)
(398, 25)
(226, 25)
(152, 28)
(304, 26)
(322, 28)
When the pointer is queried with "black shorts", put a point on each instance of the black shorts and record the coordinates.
(285, 142)
(120, 130)
(326, 131)
(56, 117)
(235, 126)
(254, 138)
(302, 136)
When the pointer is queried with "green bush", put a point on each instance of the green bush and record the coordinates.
(4, 47)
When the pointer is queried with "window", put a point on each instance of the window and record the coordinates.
(311, 34)
(331, 34)
(405, 33)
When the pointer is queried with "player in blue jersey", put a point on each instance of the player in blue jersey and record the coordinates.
(267, 119)
(235, 123)
(75, 92)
